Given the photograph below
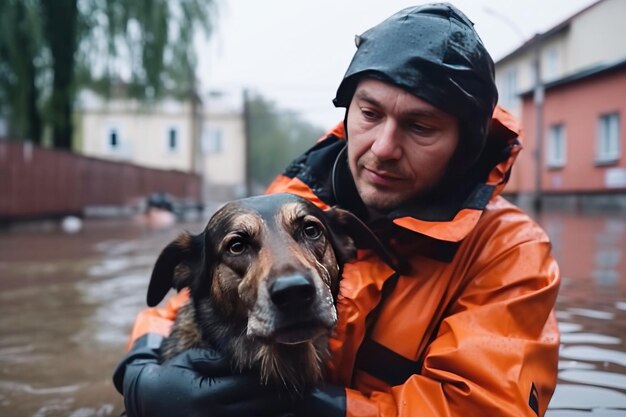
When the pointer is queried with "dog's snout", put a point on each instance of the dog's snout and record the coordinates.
(292, 292)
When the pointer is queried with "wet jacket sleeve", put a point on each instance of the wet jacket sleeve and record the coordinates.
(157, 320)
(496, 350)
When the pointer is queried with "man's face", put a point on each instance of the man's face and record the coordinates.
(398, 145)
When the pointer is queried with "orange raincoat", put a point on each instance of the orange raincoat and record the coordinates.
(470, 331)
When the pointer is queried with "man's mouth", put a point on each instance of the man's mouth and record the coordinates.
(381, 177)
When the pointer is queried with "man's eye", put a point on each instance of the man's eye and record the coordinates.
(369, 114)
(237, 247)
(312, 231)
(421, 129)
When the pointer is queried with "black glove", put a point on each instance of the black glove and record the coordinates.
(327, 401)
(198, 382)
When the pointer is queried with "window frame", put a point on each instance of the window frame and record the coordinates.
(168, 140)
(213, 141)
(607, 146)
(556, 146)
(113, 129)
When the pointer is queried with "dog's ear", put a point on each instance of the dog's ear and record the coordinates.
(341, 238)
(175, 266)
(346, 225)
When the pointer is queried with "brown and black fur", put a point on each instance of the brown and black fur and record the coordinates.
(263, 278)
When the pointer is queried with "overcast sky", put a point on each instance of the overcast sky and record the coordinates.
(295, 52)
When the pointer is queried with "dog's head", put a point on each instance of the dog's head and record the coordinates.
(272, 262)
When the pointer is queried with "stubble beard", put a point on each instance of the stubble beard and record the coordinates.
(377, 198)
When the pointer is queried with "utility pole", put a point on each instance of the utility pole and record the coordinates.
(247, 140)
(197, 121)
(538, 99)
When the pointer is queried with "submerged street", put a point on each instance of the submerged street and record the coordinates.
(67, 303)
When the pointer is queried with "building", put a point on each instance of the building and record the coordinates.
(206, 137)
(568, 88)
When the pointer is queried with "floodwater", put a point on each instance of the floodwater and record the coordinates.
(67, 303)
(591, 309)
(66, 306)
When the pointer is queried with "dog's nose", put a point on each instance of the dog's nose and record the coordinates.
(292, 292)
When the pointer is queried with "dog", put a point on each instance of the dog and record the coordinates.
(263, 278)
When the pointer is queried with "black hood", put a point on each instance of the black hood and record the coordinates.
(433, 52)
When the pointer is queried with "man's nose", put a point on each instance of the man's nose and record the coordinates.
(387, 144)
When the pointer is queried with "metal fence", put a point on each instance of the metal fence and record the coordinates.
(37, 182)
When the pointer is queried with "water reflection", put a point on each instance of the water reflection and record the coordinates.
(587, 400)
(591, 309)
(67, 303)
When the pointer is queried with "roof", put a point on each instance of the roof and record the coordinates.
(584, 74)
(539, 38)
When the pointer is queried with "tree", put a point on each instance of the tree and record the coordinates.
(49, 49)
(20, 48)
(60, 24)
(276, 138)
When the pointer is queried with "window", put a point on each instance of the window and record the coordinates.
(212, 141)
(556, 146)
(510, 95)
(172, 139)
(4, 128)
(552, 63)
(113, 139)
(607, 140)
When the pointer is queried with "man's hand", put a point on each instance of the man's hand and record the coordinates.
(196, 383)
(327, 401)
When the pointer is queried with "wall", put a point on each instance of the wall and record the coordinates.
(578, 106)
(142, 132)
(597, 35)
(39, 183)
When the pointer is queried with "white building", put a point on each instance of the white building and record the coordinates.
(166, 135)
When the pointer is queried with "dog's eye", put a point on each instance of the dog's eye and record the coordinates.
(312, 231)
(236, 247)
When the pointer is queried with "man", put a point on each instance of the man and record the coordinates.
(464, 325)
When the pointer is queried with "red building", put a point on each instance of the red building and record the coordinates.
(582, 140)
(567, 86)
